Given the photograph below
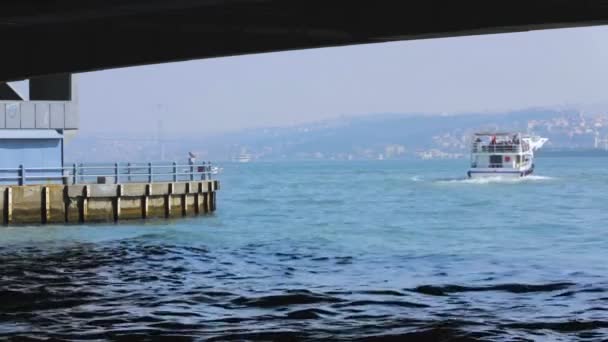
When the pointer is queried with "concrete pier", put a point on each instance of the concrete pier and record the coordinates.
(56, 203)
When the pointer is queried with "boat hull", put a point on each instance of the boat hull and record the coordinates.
(500, 173)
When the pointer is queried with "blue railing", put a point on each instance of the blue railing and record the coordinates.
(116, 173)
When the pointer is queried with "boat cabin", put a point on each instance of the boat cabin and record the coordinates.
(500, 150)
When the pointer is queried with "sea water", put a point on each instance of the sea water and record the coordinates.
(331, 250)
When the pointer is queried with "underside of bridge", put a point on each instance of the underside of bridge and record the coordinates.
(67, 36)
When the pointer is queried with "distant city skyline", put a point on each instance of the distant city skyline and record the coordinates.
(450, 75)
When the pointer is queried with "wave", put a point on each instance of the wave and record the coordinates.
(291, 298)
(563, 327)
(512, 288)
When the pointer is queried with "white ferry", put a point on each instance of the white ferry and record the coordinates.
(216, 170)
(503, 154)
(243, 158)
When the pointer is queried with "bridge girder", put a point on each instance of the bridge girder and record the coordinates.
(68, 36)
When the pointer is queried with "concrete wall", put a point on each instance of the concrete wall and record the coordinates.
(54, 203)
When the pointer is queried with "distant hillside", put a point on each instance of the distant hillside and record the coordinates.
(368, 137)
(373, 136)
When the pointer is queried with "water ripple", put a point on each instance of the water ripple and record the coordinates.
(130, 289)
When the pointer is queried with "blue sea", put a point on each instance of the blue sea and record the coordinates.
(377, 250)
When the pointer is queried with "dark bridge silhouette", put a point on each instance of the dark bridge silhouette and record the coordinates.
(67, 36)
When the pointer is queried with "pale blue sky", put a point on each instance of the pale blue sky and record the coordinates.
(479, 73)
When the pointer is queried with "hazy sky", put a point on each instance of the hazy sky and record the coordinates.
(480, 73)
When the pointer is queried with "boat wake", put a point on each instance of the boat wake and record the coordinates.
(492, 180)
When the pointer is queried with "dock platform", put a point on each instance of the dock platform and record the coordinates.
(70, 199)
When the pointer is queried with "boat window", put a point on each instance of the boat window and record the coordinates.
(495, 161)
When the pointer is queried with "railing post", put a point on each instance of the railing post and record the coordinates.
(174, 171)
(208, 173)
(116, 173)
(21, 175)
(150, 178)
(191, 169)
(129, 172)
(74, 173)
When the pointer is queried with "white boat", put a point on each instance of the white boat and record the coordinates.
(215, 170)
(503, 154)
(243, 158)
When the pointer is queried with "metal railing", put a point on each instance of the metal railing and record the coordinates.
(490, 165)
(496, 148)
(498, 165)
(116, 173)
(501, 148)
